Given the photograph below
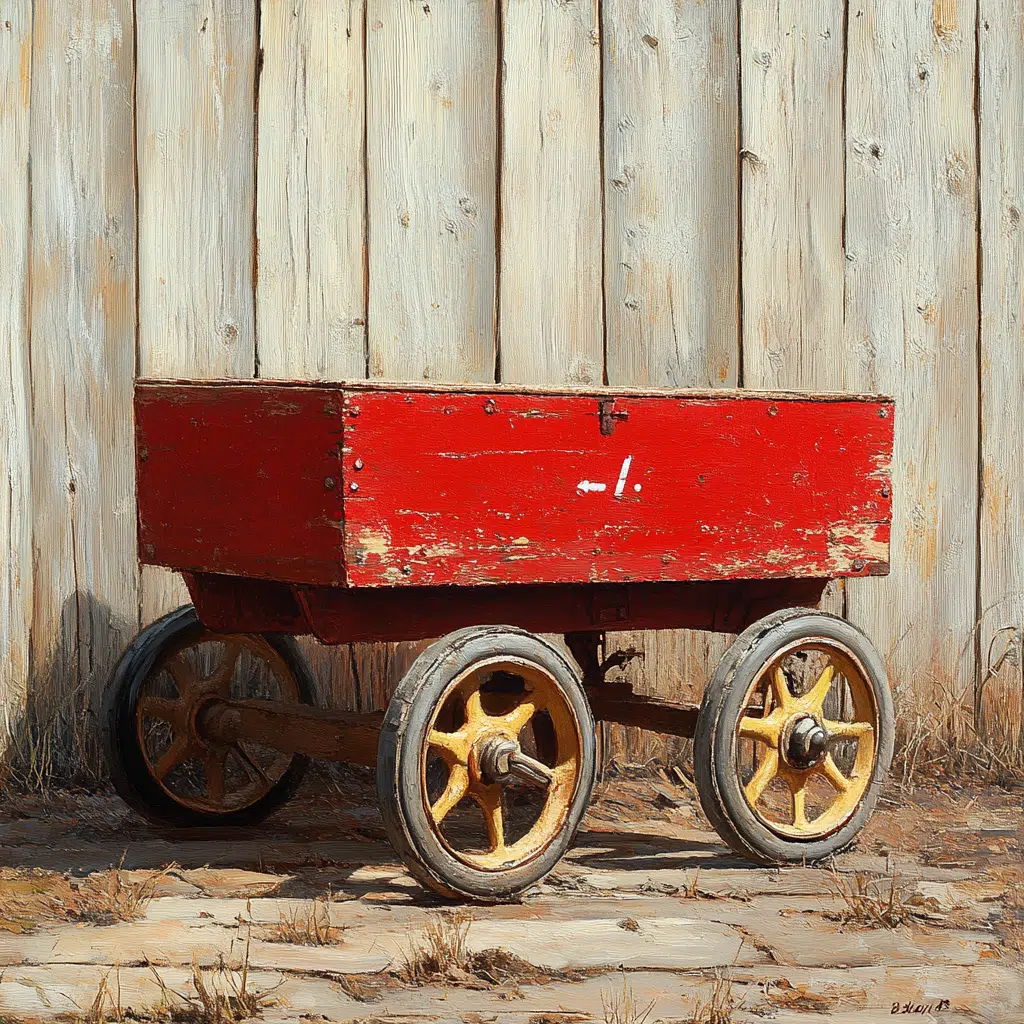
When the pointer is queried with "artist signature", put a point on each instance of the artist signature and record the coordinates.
(921, 1008)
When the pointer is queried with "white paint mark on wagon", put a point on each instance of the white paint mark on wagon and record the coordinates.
(623, 473)
(586, 486)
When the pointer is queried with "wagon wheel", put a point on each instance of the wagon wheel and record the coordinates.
(486, 762)
(794, 738)
(161, 763)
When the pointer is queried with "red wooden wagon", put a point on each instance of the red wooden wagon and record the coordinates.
(360, 512)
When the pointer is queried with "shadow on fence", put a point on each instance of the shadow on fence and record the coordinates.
(55, 738)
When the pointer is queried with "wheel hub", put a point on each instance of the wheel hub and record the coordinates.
(805, 742)
(501, 760)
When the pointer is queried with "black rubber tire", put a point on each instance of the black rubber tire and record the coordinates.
(124, 758)
(398, 759)
(714, 740)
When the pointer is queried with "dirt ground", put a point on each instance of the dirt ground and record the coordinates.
(649, 918)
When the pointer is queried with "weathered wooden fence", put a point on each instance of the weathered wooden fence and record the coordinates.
(766, 193)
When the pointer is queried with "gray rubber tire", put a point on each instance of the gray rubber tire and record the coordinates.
(406, 817)
(714, 742)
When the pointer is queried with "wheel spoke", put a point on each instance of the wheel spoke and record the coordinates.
(516, 720)
(220, 681)
(767, 769)
(799, 790)
(764, 730)
(474, 708)
(848, 730)
(180, 750)
(172, 711)
(831, 771)
(252, 768)
(184, 678)
(454, 746)
(454, 791)
(213, 766)
(489, 800)
(814, 700)
(780, 689)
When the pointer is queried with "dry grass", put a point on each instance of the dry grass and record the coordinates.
(53, 745)
(718, 1008)
(222, 996)
(115, 898)
(441, 950)
(30, 897)
(943, 733)
(440, 956)
(306, 926)
(871, 902)
(623, 1007)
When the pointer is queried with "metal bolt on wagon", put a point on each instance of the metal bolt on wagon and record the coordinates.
(486, 516)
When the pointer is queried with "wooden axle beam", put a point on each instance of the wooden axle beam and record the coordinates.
(616, 702)
(343, 736)
(294, 728)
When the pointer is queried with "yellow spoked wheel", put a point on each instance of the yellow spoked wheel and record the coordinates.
(160, 762)
(524, 795)
(486, 762)
(794, 737)
(795, 742)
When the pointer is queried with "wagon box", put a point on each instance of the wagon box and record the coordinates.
(392, 486)
(486, 516)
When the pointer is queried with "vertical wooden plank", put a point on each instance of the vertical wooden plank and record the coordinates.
(311, 230)
(431, 144)
(15, 494)
(551, 306)
(793, 194)
(671, 256)
(670, 145)
(432, 187)
(83, 359)
(311, 191)
(1001, 591)
(911, 318)
(196, 121)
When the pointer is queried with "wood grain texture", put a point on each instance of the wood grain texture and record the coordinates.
(196, 131)
(551, 305)
(671, 256)
(15, 396)
(431, 167)
(911, 318)
(793, 194)
(310, 223)
(671, 244)
(1001, 590)
(83, 352)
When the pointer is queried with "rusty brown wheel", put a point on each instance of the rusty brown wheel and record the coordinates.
(486, 762)
(160, 761)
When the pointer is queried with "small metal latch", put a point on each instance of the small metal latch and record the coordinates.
(608, 415)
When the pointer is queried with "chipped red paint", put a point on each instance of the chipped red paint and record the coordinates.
(474, 487)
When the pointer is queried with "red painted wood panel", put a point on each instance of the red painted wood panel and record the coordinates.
(479, 488)
(240, 478)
